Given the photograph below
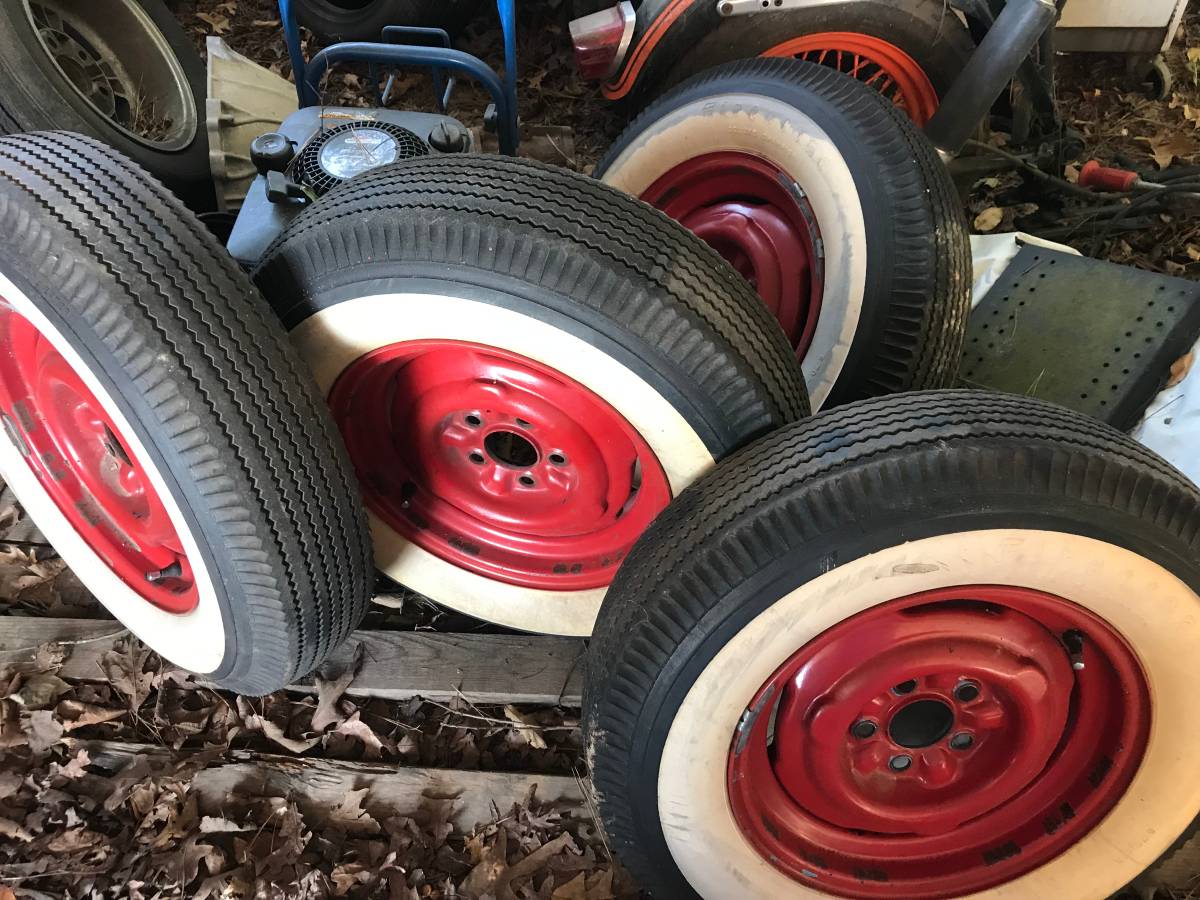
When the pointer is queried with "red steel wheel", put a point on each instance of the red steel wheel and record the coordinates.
(944, 743)
(497, 463)
(84, 462)
(871, 60)
(927, 646)
(758, 219)
(829, 202)
(159, 428)
(526, 365)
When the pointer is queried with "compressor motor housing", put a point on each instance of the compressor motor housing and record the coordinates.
(318, 147)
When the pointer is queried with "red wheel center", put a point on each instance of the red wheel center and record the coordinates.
(761, 222)
(497, 463)
(940, 744)
(83, 463)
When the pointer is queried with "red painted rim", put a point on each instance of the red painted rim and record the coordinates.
(759, 220)
(939, 744)
(83, 462)
(497, 463)
(872, 61)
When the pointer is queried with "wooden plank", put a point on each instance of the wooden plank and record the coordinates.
(319, 785)
(397, 665)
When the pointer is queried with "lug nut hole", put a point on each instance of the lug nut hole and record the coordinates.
(966, 691)
(526, 480)
(899, 763)
(558, 459)
(476, 457)
(863, 729)
(905, 687)
(473, 420)
(961, 741)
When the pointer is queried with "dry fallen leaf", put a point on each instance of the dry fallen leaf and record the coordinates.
(330, 690)
(273, 732)
(42, 730)
(10, 829)
(219, 24)
(989, 219)
(527, 727)
(40, 690)
(350, 817)
(1167, 145)
(1180, 369)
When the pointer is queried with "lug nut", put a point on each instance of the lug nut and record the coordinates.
(966, 691)
(905, 687)
(899, 763)
(961, 741)
(863, 729)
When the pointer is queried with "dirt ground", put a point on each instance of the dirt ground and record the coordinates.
(67, 831)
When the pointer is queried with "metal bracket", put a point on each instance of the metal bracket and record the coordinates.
(746, 7)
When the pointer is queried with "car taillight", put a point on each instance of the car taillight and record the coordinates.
(602, 39)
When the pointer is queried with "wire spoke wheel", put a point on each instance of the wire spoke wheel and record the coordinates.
(874, 62)
(118, 61)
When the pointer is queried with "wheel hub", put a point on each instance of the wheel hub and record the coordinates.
(497, 463)
(761, 222)
(924, 737)
(80, 459)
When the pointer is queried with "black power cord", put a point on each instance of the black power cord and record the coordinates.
(1139, 202)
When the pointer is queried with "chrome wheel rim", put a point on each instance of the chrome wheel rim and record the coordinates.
(92, 44)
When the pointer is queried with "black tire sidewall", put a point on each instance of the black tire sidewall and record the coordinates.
(130, 399)
(991, 509)
(926, 30)
(38, 98)
(878, 206)
(332, 23)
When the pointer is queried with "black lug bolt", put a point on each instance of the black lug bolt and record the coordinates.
(961, 741)
(899, 763)
(863, 729)
(966, 691)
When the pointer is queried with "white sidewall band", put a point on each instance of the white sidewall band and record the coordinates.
(788, 138)
(193, 640)
(1156, 613)
(333, 338)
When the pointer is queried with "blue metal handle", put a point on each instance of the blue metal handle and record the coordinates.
(442, 87)
(413, 55)
(291, 36)
(504, 93)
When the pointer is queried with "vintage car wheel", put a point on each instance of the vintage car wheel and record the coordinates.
(526, 365)
(160, 430)
(917, 647)
(829, 201)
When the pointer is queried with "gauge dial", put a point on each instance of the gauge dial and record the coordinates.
(356, 151)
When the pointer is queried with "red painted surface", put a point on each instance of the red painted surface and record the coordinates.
(497, 463)
(82, 460)
(757, 218)
(873, 61)
(815, 788)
